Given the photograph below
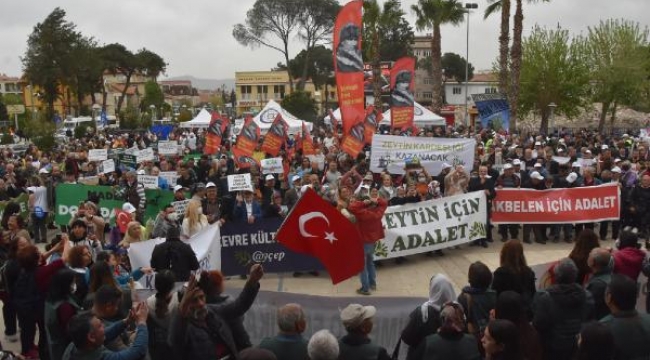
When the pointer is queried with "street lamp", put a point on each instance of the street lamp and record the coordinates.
(551, 117)
(153, 112)
(469, 7)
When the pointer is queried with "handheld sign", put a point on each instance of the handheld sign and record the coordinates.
(97, 154)
(272, 166)
(240, 182)
(167, 148)
(148, 181)
(107, 166)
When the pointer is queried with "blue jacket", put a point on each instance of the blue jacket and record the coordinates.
(136, 351)
(241, 214)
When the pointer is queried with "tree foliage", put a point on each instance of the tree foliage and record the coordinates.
(319, 65)
(300, 104)
(153, 95)
(616, 55)
(553, 70)
(4, 115)
(432, 14)
(453, 67)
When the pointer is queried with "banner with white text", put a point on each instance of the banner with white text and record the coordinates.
(390, 152)
(556, 206)
(432, 225)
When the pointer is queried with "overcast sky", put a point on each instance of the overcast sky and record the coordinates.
(195, 36)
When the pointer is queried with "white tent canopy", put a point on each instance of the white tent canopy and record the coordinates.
(202, 120)
(422, 117)
(266, 117)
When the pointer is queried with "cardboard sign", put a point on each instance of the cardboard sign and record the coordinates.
(128, 160)
(146, 155)
(272, 166)
(240, 182)
(148, 181)
(167, 148)
(170, 176)
(180, 206)
(97, 154)
(89, 180)
(132, 151)
(107, 166)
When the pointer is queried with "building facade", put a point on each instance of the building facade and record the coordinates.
(423, 81)
(10, 85)
(482, 83)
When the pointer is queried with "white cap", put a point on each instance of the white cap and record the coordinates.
(178, 187)
(507, 166)
(516, 162)
(536, 175)
(269, 177)
(127, 207)
(537, 143)
(571, 178)
(141, 172)
(604, 147)
(446, 166)
(587, 151)
(354, 315)
(576, 164)
(43, 171)
(626, 135)
(367, 187)
(616, 169)
(295, 178)
(617, 160)
(210, 185)
(537, 165)
(560, 150)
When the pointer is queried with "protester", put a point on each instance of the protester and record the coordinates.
(501, 341)
(586, 241)
(356, 343)
(514, 273)
(289, 343)
(478, 299)
(595, 342)
(601, 264)
(323, 346)
(194, 221)
(628, 260)
(174, 255)
(60, 307)
(509, 306)
(161, 305)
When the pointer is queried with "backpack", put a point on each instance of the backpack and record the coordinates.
(25, 292)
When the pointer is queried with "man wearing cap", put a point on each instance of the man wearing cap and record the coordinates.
(267, 189)
(179, 193)
(446, 169)
(211, 206)
(508, 180)
(247, 208)
(535, 182)
(485, 183)
(291, 195)
(356, 344)
(135, 195)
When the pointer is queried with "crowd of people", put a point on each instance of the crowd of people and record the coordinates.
(78, 294)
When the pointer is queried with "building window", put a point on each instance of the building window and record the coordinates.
(262, 92)
(491, 90)
(246, 91)
(428, 81)
(278, 92)
(457, 90)
(427, 95)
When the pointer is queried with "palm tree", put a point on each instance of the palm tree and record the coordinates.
(431, 14)
(510, 87)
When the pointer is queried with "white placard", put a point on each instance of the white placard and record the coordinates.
(240, 182)
(107, 166)
(180, 206)
(132, 151)
(148, 181)
(89, 180)
(97, 154)
(170, 176)
(145, 155)
(167, 147)
(272, 166)
(392, 152)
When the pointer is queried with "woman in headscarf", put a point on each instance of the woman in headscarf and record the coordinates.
(425, 319)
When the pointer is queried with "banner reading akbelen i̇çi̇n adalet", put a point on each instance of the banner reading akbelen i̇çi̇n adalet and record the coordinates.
(556, 206)
(390, 153)
(432, 225)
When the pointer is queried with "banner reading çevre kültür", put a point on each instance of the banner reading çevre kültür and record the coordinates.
(390, 153)
(432, 225)
(556, 206)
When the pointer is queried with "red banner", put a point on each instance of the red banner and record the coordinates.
(243, 161)
(248, 137)
(275, 137)
(353, 142)
(307, 141)
(556, 206)
(370, 123)
(348, 64)
(214, 134)
(402, 87)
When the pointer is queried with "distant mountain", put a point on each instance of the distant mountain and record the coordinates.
(206, 84)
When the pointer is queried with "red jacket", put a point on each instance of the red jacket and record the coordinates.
(629, 262)
(369, 219)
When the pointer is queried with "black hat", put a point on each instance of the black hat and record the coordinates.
(350, 32)
(403, 76)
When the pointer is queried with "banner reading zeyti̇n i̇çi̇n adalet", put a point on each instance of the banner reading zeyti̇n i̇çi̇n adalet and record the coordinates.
(556, 206)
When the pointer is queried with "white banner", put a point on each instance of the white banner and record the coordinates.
(240, 182)
(145, 155)
(205, 244)
(167, 147)
(107, 166)
(392, 152)
(170, 176)
(272, 166)
(97, 154)
(432, 225)
(148, 181)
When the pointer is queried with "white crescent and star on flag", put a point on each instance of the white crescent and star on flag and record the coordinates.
(305, 218)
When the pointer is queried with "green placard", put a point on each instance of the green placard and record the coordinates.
(68, 197)
(21, 200)
(128, 160)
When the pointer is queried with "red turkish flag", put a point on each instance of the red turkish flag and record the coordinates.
(317, 228)
(122, 219)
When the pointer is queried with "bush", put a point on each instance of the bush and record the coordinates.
(7, 138)
(41, 133)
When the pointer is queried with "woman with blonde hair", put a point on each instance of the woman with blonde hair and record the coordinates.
(134, 233)
(194, 220)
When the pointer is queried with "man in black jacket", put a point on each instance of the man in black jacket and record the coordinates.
(357, 320)
(200, 331)
(289, 344)
(559, 312)
(601, 263)
(174, 255)
(484, 182)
